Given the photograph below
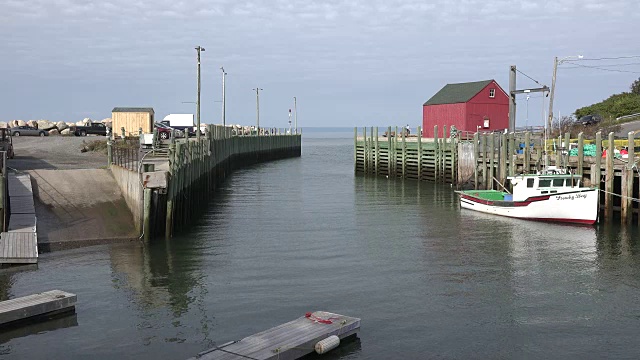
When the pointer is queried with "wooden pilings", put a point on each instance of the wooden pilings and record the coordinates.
(196, 169)
(496, 156)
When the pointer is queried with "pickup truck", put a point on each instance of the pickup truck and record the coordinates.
(94, 128)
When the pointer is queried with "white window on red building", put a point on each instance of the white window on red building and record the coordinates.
(492, 93)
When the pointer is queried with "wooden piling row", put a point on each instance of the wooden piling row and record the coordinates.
(500, 155)
(196, 169)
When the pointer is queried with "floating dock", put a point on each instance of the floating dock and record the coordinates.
(19, 245)
(36, 306)
(292, 340)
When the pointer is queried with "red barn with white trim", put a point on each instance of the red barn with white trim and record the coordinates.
(467, 106)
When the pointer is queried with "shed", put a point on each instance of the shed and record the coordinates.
(470, 106)
(132, 119)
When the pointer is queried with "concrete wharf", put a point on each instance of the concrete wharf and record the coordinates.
(36, 306)
(291, 340)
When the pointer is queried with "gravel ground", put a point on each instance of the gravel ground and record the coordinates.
(55, 152)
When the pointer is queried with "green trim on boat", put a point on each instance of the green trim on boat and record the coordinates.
(494, 195)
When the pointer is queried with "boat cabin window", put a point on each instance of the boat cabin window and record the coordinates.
(558, 182)
(569, 182)
(544, 183)
(530, 183)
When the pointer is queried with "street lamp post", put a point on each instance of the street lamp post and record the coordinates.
(198, 49)
(295, 113)
(526, 121)
(223, 98)
(257, 89)
(556, 62)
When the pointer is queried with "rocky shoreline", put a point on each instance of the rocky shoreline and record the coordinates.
(54, 128)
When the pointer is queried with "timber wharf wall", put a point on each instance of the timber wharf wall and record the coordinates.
(174, 181)
(485, 160)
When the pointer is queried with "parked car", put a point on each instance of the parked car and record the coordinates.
(93, 128)
(164, 131)
(589, 119)
(27, 131)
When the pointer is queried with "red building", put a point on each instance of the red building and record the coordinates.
(467, 106)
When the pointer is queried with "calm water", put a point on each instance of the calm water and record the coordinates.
(287, 237)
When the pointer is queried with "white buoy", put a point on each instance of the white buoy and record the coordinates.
(327, 344)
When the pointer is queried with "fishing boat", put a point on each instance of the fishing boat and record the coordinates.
(553, 195)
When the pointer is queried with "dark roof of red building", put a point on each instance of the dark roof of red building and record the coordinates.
(457, 93)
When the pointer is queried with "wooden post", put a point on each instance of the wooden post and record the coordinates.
(580, 154)
(598, 172)
(503, 158)
(377, 153)
(168, 230)
(404, 155)
(567, 146)
(476, 152)
(109, 152)
(436, 159)
(492, 147)
(366, 155)
(482, 151)
(609, 177)
(355, 149)
(146, 223)
(444, 153)
(511, 151)
(389, 152)
(527, 153)
(627, 183)
(419, 153)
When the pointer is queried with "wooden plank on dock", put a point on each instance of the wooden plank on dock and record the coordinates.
(23, 308)
(18, 248)
(291, 340)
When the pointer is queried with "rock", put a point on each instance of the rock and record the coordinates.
(61, 125)
(87, 121)
(66, 131)
(3, 125)
(54, 132)
(33, 123)
(79, 123)
(20, 123)
(45, 124)
(70, 124)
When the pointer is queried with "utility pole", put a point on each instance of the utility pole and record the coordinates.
(198, 49)
(553, 89)
(257, 89)
(223, 97)
(526, 121)
(512, 98)
(295, 113)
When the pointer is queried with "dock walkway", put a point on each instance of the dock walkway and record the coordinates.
(36, 305)
(19, 245)
(292, 340)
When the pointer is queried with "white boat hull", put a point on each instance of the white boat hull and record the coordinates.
(573, 207)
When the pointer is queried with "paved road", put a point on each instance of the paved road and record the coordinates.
(55, 152)
(630, 126)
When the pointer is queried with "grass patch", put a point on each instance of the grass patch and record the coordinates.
(94, 146)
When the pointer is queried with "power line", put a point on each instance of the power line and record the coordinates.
(612, 65)
(610, 58)
(534, 80)
(603, 69)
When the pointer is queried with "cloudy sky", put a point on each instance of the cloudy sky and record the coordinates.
(348, 62)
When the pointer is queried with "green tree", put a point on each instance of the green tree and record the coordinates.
(635, 87)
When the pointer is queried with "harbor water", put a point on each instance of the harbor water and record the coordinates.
(279, 239)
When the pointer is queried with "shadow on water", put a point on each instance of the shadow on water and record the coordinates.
(22, 330)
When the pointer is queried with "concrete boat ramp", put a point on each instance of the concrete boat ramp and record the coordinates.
(292, 340)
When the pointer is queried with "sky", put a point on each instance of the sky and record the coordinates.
(348, 62)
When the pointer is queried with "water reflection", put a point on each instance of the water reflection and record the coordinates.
(14, 332)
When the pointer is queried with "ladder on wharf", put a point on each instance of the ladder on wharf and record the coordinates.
(19, 245)
(291, 340)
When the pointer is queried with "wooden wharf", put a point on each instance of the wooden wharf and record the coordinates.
(19, 244)
(486, 160)
(36, 306)
(291, 340)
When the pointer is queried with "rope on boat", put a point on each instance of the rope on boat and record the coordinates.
(622, 196)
